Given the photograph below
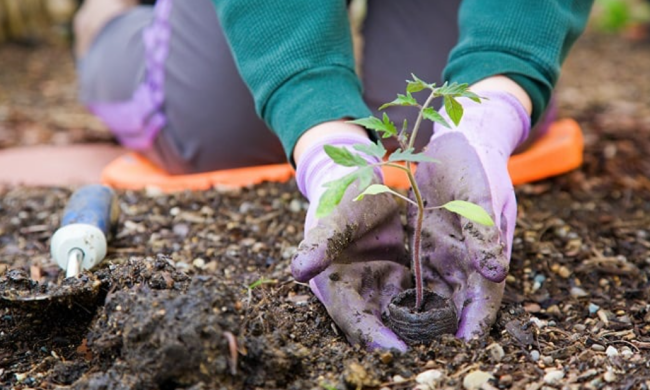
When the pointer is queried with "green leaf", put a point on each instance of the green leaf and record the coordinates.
(454, 109)
(454, 89)
(402, 100)
(375, 149)
(333, 195)
(434, 116)
(472, 95)
(365, 176)
(260, 282)
(408, 155)
(469, 210)
(344, 157)
(416, 85)
(375, 189)
(384, 125)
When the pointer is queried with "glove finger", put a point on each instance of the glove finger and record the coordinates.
(478, 303)
(355, 297)
(466, 180)
(368, 229)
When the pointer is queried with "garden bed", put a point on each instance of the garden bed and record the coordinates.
(196, 290)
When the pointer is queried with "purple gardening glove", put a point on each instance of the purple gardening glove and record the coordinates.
(462, 259)
(354, 258)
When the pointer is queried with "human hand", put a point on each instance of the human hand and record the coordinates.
(461, 259)
(354, 258)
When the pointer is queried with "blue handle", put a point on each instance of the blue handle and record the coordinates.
(93, 205)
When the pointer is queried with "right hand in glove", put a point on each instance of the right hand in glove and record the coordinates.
(354, 258)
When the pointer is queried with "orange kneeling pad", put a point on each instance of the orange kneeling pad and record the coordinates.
(558, 151)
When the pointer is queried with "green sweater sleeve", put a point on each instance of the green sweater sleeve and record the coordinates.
(296, 58)
(526, 40)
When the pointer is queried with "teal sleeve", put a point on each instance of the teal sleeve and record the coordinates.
(296, 58)
(526, 40)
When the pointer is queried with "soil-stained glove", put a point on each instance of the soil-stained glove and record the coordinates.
(354, 258)
(462, 259)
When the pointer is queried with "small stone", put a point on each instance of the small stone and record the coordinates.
(587, 374)
(577, 292)
(554, 310)
(475, 379)
(386, 357)
(505, 380)
(295, 206)
(497, 352)
(579, 327)
(399, 379)
(611, 352)
(198, 263)
(564, 272)
(554, 376)
(626, 352)
(548, 360)
(598, 347)
(534, 355)
(609, 376)
(593, 308)
(429, 378)
(532, 307)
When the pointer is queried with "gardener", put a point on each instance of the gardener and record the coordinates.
(171, 83)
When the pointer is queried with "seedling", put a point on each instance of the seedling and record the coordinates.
(403, 159)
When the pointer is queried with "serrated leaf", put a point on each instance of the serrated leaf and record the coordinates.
(375, 149)
(471, 95)
(408, 155)
(389, 127)
(469, 210)
(402, 100)
(434, 116)
(333, 195)
(416, 85)
(454, 89)
(365, 176)
(344, 157)
(374, 189)
(454, 109)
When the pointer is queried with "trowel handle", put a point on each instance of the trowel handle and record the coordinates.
(94, 205)
(89, 219)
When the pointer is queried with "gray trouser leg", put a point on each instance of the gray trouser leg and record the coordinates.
(211, 122)
(404, 37)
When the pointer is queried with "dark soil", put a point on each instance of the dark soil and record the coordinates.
(196, 291)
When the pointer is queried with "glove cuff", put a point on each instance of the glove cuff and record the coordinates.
(316, 168)
(499, 111)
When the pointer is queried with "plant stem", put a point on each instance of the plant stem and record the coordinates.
(417, 233)
(418, 121)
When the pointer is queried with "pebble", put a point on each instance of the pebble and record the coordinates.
(399, 379)
(577, 292)
(598, 347)
(626, 352)
(611, 352)
(593, 308)
(534, 355)
(295, 206)
(609, 376)
(505, 380)
(548, 360)
(475, 379)
(497, 352)
(553, 377)
(564, 272)
(386, 357)
(198, 263)
(579, 327)
(429, 378)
